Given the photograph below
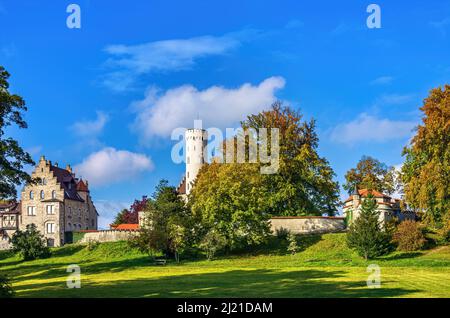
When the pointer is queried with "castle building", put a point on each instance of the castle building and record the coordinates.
(58, 203)
(196, 143)
(387, 207)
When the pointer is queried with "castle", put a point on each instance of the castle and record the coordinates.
(57, 204)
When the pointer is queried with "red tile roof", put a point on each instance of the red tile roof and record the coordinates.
(126, 227)
(82, 186)
(364, 193)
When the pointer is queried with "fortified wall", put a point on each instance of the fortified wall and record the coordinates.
(308, 224)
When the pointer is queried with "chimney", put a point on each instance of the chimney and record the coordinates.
(69, 168)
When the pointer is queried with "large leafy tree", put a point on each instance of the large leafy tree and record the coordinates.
(131, 216)
(371, 174)
(426, 171)
(228, 199)
(30, 244)
(12, 157)
(304, 184)
(166, 223)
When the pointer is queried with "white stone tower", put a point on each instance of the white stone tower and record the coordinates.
(196, 142)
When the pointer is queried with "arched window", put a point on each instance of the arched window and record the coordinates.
(44, 181)
(53, 194)
(42, 194)
(31, 195)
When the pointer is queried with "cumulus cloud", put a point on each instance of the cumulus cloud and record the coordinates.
(368, 128)
(127, 62)
(395, 99)
(109, 166)
(107, 210)
(382, 80)
(91, 128)
(159, 114)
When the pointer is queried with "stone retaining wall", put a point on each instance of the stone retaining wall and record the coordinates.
(308, 224)
(107, 236)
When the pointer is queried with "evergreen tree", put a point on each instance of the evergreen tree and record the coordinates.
(366, 235)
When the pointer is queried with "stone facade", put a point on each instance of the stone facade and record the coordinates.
(57, 203)
(387, 207)
(108, 236)
(307, 224)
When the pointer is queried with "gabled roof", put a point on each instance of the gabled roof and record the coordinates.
(68, 182)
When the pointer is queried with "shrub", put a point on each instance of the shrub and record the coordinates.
(409, 236)
(282, 233)
(6, 290)
(211, 243)
(366, 234)
(293, 246)
(444, 234)
(30, 244)
(92, 245)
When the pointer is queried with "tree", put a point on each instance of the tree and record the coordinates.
(6, 290)
(366, 234)
(371, 174)
(409, 236)
(12, 157)
(30, 244)
(426, 170)
(166, 220)
(304, 184)
(212, 242)
(293, 247)
(131, 216)
(228, 198)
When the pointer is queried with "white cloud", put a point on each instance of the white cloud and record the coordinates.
(91, 128)
(382, 80)
(109, 166)
(441, 25)
(129, 62)
(395, 99)
(368, 128)
(108, 210)
(158, 115)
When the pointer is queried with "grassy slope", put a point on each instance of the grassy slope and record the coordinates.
(324, 268)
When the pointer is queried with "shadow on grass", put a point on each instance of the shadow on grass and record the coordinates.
(276, 246)
(402, 256)
(234, 283)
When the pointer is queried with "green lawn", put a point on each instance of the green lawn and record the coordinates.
(324, 268)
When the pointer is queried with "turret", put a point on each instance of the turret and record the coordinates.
(196, 143)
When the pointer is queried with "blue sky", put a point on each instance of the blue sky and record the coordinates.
(105, 97)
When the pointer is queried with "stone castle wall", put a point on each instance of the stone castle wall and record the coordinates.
(308, 224)
(107, 236)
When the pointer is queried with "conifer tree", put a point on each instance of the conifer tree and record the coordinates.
(366, 234)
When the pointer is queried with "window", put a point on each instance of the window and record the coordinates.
(53, 194)
(188, 161)
(44, 181)
(42, 194)
(31, 195)
(69, 226)
(31, 210)
(70, 211)
(50, 228)
(50, 209)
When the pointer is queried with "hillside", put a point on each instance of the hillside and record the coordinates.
(324, 268)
